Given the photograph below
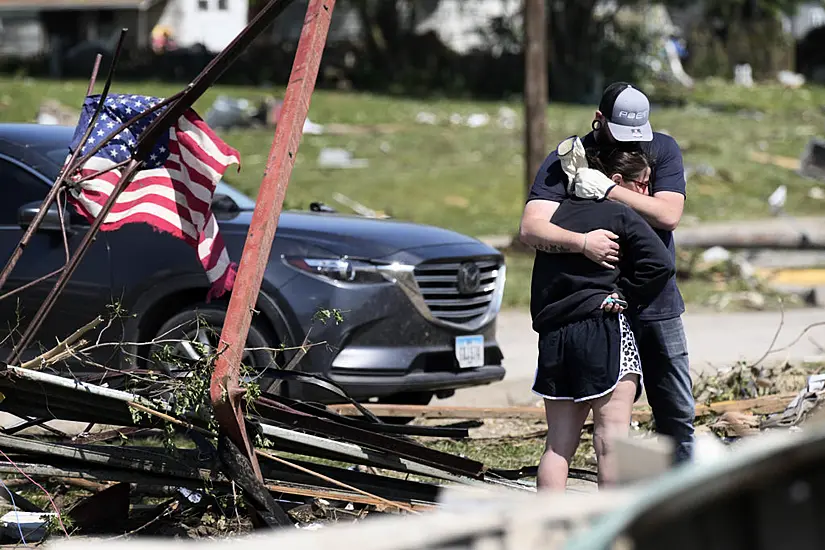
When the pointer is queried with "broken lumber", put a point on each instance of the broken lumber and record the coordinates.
(788, 163)
(768, 404)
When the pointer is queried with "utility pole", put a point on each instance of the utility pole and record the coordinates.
(535, 87)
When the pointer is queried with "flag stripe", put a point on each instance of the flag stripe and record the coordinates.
(174, 194)
(151, 189)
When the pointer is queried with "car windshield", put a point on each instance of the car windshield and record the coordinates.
(58, 156)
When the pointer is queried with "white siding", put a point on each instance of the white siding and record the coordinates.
(21, 34)
(203, 22)
(458, 23)
(808, 17)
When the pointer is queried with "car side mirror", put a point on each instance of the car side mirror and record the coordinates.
(51, 221)
(224, 203)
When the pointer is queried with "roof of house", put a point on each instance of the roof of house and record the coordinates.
(41, 5)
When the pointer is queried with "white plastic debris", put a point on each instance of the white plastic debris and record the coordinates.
(339, 158)
(816, 193)
(47, 119)
(477, 120)
(715, 255)
(777, 199)
(743, 75)
(816, 382)
(426, 118)
(313, 128)
(507, 118)
(31, 524)
(228, 112)
(456, 119)
(791, 79)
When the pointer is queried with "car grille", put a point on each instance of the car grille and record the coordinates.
(444, 295)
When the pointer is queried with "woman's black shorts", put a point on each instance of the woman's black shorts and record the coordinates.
(586, 359)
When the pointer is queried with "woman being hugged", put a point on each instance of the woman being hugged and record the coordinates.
(588, 360)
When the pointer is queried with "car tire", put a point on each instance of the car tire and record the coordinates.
(203, 323)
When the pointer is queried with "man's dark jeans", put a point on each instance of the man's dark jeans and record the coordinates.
(663, 350)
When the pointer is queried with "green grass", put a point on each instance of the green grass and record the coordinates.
(472, 179)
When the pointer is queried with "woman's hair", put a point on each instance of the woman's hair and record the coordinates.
(627, 163)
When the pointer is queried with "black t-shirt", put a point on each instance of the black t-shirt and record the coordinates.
(668, 174)
(569, 287)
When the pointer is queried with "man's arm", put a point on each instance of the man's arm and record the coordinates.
(537, 231)
(663, 210)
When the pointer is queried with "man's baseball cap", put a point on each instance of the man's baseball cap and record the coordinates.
(626, 110)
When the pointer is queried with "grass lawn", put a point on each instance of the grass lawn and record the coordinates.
(472, 179)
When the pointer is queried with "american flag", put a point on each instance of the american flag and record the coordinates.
(172, 193)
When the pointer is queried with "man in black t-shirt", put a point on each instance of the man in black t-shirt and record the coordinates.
(622, 121)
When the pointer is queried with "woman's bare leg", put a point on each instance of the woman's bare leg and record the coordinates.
(611, 416)
(565, 421)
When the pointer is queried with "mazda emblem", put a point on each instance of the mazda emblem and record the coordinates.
(468, 278)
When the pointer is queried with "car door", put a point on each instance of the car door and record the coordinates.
(89, 290)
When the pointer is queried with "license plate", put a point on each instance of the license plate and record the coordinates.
(469, 350)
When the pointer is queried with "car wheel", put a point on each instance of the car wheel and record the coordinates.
(194, 333)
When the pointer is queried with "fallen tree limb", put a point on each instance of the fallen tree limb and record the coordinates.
(768, 404)
(63, 349)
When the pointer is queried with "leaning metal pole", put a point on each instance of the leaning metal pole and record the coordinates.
(225, 392)
(144, 146)
(66, 171)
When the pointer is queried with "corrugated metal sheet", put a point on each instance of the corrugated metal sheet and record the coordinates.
(43, 395)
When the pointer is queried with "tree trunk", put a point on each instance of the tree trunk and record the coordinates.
(535, 87)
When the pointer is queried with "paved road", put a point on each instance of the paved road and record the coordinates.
(715, 341)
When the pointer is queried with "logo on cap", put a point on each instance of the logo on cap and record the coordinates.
(631, 115)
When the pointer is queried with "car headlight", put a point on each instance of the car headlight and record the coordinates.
(347, 270)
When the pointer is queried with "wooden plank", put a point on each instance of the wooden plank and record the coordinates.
(788, 163)
(447, 412)
(761, 405)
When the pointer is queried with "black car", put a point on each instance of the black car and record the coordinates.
(418, 303)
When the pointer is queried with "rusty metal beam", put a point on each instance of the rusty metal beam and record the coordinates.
(224, 390)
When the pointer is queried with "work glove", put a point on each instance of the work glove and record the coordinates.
(572, 157)
(589, 183)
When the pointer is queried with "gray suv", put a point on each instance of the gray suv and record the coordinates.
(417, 304)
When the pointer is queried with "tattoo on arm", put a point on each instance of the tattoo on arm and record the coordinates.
(551, 248)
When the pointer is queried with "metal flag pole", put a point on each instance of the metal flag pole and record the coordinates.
(67, 168)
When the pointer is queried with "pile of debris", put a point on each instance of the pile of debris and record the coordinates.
(197, 474)
(748, 399)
